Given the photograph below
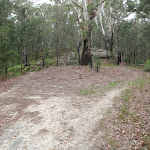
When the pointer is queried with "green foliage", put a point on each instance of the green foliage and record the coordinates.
(112, 59)
(53, 62)
(113, 144)
(38, 68)
(37, 32)
(125, 107)
(32, 63)
(26, 69)
(90, 7)
(49, 62)
(72, 59)
(113, 84)
(131, 6)
(147, 65)
(97, 63)
(16, 68)
(144, 7)
(87, 91)
(139, 83)
(14, 71)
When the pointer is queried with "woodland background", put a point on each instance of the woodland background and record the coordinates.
(32, 37)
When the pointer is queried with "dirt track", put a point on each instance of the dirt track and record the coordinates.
(44, 110)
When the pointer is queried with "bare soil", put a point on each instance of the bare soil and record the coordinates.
(45, 111)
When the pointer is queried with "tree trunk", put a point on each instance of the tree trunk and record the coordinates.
(86, 55)
(129, 55)
(79, 61)
(119, 58)
(57, 53)
(135, 42)
(118, 47)
(5, 68)
(57, 41)
(25, 58)
(78, 50)
(21, 57)
(111, 42)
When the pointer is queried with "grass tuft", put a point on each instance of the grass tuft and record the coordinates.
(87, 91)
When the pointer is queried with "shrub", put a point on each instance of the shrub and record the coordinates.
(16, 68)
(38, 68)
(97, 63)
(26, 69)
(147, 65)
(49, 62)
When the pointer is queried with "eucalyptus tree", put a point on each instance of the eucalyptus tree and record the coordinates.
(44, 29)
(86, 11)
(106, 20)
(110, 18)
(144, 29)
(64, 29)
(23, 13)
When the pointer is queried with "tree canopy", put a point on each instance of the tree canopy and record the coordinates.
(29, 32)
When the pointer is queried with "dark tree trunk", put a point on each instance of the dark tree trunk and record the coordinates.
(5, 68)
(43, 60)
(79, 61)
(119, 58)
(111, 42)
(57, 57)
(43, 51)
(25, 58)
(129, 55)
(86, 55)
(78, 50)
(135, 42)
(118, 46)
(21, 57)
(57, 41)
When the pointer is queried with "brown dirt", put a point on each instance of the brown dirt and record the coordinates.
(44, 110)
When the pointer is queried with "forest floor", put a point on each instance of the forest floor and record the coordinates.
(60, 108)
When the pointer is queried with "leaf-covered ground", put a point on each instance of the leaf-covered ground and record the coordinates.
(127, 124)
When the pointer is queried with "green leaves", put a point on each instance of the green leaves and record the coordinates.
(90, 7)
(131, 6)
(97, 62)
(147, 65)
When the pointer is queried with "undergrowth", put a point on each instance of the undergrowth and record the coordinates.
(15, 71)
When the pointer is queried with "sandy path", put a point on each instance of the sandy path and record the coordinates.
(45, 111)
(63, 125)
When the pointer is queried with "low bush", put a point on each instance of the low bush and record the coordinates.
(97, 63)
(26, 69)
(16, 68)
(147, 65)
(38, 68)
